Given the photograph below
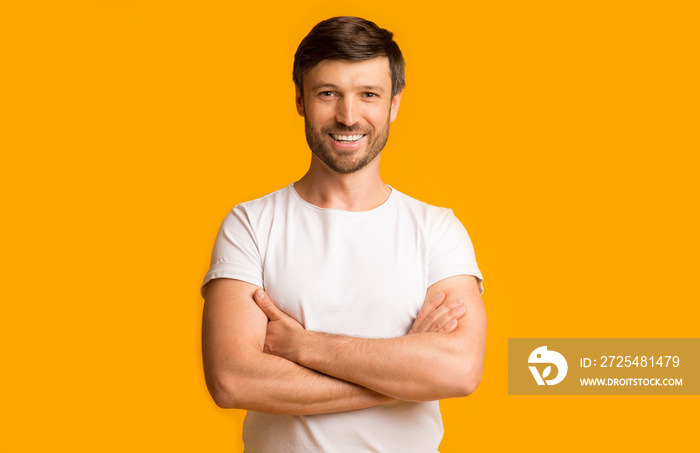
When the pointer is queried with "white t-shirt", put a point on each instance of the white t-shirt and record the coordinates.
(362, 274)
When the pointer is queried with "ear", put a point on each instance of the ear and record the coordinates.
(395, 102)
(300, 101)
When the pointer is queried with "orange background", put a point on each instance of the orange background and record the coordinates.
(563, 134)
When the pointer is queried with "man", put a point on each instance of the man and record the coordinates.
(371, 309)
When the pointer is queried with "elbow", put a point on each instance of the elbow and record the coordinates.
(455, 382)
(460, 376)
(467, 372)
(225, 392)
(224, 400)
(471, 382)
(467, 380)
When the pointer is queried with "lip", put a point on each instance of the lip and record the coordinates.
(347, 146)
(346, 133)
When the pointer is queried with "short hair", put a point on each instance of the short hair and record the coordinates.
(349, 38)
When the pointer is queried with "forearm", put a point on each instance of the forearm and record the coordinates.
(420, 367)
(416, 367)
(240, 375)
(266, 383)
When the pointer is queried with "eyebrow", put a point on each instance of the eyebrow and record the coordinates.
(332, 86)
(372, 88)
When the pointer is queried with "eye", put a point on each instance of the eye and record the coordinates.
(325, 94)
(370, 95)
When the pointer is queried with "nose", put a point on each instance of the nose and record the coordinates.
(346, 112)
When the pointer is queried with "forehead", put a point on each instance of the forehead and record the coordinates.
(350, 74)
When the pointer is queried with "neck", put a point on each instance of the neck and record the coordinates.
(362, 190)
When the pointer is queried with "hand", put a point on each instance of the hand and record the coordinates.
(282, 329)
(438, 315)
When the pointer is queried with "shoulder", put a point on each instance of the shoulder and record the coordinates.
(429, 214)
(441, 227)
(254, 214)
(271, 200)
(450, 250)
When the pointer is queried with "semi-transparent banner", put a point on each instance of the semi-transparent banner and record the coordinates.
(604, 366)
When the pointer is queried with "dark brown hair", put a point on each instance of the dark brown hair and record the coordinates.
(348, 38)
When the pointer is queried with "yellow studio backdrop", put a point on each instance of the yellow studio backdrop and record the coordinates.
(563, 134)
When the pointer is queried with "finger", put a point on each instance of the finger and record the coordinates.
(440, 317)
(266, 305)
(450, 326)
(428, 307)
(449, 321)
(429, 320)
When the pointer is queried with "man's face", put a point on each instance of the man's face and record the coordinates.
(347, 108)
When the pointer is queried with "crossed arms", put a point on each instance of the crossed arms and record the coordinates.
(279, 367)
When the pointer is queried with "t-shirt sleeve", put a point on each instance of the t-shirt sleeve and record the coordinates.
(236, 254)
(452, 252)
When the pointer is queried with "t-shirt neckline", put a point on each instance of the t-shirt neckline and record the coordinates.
(381, 207)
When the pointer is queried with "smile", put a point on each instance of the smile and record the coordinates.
(346, 138)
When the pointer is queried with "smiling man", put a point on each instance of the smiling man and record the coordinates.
(338, 310)
(355, 124)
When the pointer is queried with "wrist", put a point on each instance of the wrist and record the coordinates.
(299, 344)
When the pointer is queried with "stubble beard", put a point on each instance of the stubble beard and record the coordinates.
(345, 164)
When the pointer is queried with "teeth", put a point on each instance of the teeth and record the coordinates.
(346, 138)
